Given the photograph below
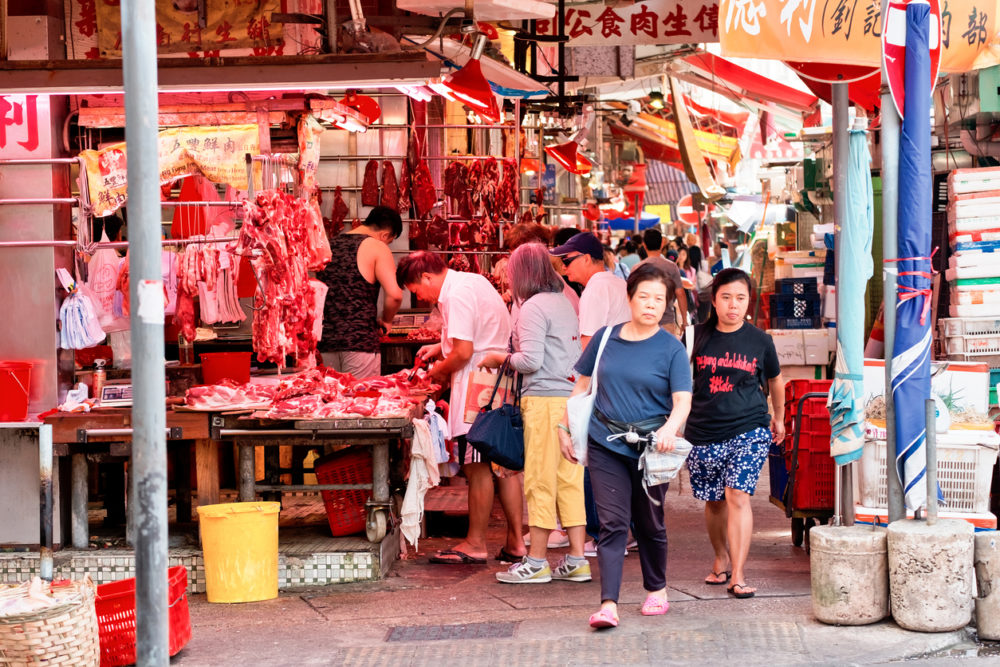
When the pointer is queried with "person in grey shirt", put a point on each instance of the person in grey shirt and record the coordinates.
(546, 347)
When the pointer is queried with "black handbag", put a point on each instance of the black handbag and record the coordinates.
(498, 434)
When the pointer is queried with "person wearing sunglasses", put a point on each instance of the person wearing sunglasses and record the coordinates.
(604, 300)
(603, 303)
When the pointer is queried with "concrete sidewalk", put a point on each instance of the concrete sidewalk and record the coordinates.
(425, 614)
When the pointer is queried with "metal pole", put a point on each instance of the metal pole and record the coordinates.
(930, 415)
(149, 445)
(890, 202)
(45, 492)
(841, 162)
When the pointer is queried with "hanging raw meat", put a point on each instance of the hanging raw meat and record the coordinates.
(507, 196)
(404, 188)
(390, 191)
(369, 187)
(438, 232)
(338, 214)
(455, 179)
(488, 234)
(275, 233)
(422, 190)
(473, 179)
(460, 263)
(488, 184)
(418, 234)
(457, 236)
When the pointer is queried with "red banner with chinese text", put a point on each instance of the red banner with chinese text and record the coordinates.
(229, 24)
(848, 32)
(649, 22)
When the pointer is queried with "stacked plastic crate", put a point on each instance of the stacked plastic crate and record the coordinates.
(972, 333)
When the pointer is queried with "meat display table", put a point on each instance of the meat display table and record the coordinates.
(248, 433)
(107, 433)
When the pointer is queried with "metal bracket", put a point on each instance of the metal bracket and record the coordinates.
(81, 435)
(175, 433)
(215, 426)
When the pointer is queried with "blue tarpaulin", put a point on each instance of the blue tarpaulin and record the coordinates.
(854, 268)
(911, 354)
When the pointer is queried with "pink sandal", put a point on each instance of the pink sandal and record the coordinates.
(654, 606)
(604, 618)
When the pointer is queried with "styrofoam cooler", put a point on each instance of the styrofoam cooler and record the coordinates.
(965, 471)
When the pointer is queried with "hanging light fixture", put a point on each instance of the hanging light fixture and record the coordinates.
(656, 100)
(569, 153)
(470, 87)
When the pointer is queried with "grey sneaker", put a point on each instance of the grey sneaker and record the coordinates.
(567, 571)
(523, 572)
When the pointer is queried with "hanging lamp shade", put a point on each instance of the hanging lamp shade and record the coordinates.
(568, 155)
(470, 87)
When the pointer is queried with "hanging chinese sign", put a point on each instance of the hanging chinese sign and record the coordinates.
(218, 153)
(649, 22)
(849, 32)
(228, 24)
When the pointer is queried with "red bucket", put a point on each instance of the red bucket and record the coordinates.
(219, 366)
(15, 384)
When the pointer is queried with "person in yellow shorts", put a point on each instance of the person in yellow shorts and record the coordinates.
(546, 346)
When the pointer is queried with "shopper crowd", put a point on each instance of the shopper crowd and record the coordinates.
(576, 319)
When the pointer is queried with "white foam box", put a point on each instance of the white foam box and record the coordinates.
(789, 345)
(816, 347)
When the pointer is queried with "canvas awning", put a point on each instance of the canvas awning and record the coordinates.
(740, 84)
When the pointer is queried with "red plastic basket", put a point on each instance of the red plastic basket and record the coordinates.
(794, 389)
(116, 617)
(813, 481)
(345, 510)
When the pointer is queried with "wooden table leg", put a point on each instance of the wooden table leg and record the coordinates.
(182, 480)
(246, 481)
(80, 530)
(206, 461)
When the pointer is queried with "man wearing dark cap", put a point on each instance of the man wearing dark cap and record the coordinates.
(604, 300)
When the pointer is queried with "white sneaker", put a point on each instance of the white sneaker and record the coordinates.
(590, 549)
(566, 571)
(524, 572)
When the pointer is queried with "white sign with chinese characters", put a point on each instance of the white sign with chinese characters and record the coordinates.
(650, 22)
(21, 119)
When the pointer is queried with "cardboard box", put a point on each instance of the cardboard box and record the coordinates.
(788, 343)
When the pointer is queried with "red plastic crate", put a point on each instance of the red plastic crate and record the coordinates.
(345, 510)
(794, 389)
(813, 481)
(115, 605)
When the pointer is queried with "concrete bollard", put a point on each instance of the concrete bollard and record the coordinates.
(931, 579)
(987, 560)
(850, 579)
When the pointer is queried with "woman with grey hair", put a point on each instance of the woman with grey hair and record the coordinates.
(546, 346)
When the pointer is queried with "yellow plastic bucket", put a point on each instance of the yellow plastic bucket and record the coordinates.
(240, 544)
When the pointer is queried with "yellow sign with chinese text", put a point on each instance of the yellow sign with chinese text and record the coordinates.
(849, 32)
(229, 24)
(218, 153)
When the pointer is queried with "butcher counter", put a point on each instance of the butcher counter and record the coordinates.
(105, 434)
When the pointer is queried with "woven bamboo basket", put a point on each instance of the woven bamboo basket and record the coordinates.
(63, 634)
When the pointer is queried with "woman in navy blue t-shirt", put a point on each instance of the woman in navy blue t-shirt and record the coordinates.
(730, 426)
(643, 378)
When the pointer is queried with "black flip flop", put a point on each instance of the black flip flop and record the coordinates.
(725, 573)
(742, 595)
(456, 558)
(505, 556)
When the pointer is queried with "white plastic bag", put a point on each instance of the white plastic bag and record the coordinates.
(580, 408)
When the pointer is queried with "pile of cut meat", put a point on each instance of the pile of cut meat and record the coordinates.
(284, 238)
(320, 393)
